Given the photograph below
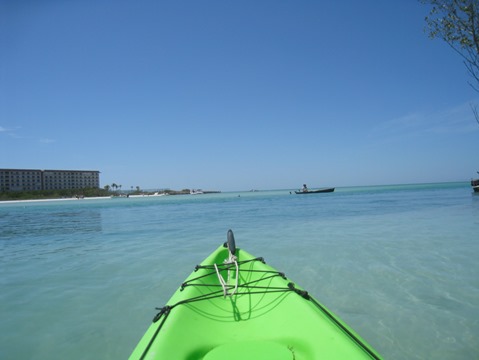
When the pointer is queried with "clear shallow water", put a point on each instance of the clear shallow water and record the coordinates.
(80, 279)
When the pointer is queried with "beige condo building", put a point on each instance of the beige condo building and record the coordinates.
(29, 179)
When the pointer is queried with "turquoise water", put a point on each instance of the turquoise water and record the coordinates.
(80, 279)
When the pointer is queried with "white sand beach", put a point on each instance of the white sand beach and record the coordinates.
(52, 200)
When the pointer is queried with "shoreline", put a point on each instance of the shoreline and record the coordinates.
(465, 184)
(56, 199)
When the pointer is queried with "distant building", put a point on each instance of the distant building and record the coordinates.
(28, 180)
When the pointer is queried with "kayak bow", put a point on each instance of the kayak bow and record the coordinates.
(235, 306)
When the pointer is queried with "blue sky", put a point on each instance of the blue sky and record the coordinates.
(233, 95)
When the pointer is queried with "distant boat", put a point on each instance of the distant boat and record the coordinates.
(159, 194)
(475, 184)
(323, 190)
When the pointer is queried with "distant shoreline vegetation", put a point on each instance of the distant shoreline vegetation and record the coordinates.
(88, 192)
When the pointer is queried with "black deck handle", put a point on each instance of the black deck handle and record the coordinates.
(231, 242)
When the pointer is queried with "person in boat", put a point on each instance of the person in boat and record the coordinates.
(305, 188)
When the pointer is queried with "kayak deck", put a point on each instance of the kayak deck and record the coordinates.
(262, 315)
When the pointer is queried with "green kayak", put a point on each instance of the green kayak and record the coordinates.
(234, 306)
